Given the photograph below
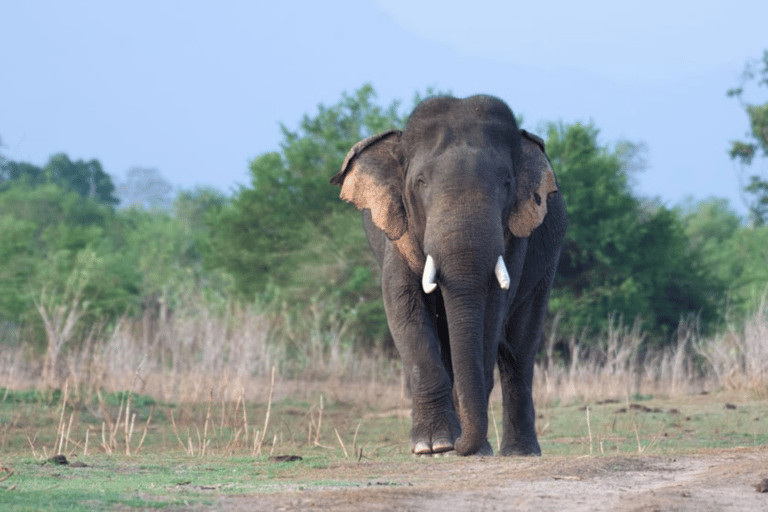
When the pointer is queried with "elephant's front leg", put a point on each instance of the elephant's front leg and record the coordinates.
(413, 327)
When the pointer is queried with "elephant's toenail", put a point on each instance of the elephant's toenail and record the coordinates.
(442, 445)
(422, 448)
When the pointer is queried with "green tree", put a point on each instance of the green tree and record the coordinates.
(192, 206)
(735, 256)
(288, 240)
(17, 264)
(756, 142)
(69, 260)
(166, 248)
(44, 231)
(270, 231)
(621, 255)
(87, 179)
(14, 172)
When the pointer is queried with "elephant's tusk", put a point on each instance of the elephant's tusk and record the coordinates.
(428, 280)
(501, 274)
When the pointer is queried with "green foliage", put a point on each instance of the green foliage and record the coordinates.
(87, 179)
(288, 237)
(16, 263)
(30, 396)
(735, 255)
(757, 137)
(266, 230)
(759, 208)
(192, 206)
(166, 251)
(43, 232)
(287, 242)
(54, 240)
(621, 255)
(52, 220)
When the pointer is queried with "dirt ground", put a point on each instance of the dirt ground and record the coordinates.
(713, 481)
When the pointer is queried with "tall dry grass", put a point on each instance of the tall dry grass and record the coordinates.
(738, 358)
(227, 353)
(186, 354)
(617, 365)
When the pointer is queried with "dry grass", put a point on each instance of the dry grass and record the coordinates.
(201, 354)
(219, 375)
(620, 368)
(182, 357)
(739, 358)
(617, 367)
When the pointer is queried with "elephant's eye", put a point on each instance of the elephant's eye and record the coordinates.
(421, 182)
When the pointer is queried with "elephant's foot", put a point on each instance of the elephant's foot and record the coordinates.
(428, 438)
(485, 451)
(520, 449)
(439, 442)
(436, 447)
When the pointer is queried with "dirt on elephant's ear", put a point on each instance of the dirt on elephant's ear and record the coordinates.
(366, 192)
(535, 183)
(371, 179)
(357, 149)
(413, 255)
(531, 213)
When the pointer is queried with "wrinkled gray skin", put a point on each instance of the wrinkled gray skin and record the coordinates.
(463, 185)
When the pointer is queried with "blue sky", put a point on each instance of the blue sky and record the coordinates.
(196, 89)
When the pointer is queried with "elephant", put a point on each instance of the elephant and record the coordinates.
(463, 212)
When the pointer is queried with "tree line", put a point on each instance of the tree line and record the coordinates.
(287, 243)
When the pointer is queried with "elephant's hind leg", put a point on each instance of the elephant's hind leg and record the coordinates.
(516, 360)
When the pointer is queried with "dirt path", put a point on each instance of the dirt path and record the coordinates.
(716, 481)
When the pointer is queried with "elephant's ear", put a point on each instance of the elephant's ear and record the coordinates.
(371, 177)
(535, 184)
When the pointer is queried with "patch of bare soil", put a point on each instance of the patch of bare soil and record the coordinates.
(713, 481)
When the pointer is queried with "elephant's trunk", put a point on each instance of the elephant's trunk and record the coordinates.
(466, 328)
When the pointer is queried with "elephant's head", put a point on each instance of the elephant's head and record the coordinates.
(458, 192)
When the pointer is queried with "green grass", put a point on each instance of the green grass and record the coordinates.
(159, 481)
(658, 426)
(165, 474)
(147, 481)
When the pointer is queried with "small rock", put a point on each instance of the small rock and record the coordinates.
(762, 486)
(285, 458)
(60, 460)
(730, 406)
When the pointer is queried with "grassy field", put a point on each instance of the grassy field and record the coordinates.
(199, 409)
(183, 455)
